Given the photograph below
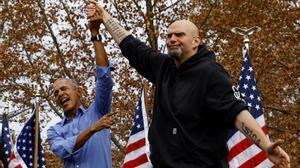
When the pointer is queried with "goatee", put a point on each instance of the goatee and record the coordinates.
(175, 53)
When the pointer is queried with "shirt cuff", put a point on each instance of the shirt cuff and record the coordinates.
(70, 146)
(102, 71)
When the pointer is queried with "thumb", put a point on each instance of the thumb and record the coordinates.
(274, 145)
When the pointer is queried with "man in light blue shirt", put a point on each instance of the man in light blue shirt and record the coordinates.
(82, 138)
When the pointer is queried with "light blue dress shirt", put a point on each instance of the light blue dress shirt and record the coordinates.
(96, 152)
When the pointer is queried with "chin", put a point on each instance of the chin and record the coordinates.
(67, 109)
(175, 53)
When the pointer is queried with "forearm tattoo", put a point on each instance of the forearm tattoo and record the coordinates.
(116, 30)
(249, 133)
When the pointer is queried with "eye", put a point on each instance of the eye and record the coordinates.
(55, 93)
(179, 34)
(169, 35)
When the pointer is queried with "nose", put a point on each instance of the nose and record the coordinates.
(59, 94)
(173, 37)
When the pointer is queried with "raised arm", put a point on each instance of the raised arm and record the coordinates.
(104, 82)
(103, 89)
(250, 128)
(143, 58)
(101, 56)
(96, 12)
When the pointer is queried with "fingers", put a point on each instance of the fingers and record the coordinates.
(273, 148)
(90, 10)
(111, 114)
(278, 142)
(284, 159)
(92, 1)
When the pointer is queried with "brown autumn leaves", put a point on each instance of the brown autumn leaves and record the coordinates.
(41, 41)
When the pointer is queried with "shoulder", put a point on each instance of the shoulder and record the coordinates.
(56, 127)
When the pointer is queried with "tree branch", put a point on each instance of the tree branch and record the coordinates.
(208, 14)
(166, 8)
(121, 16)
(116, 142)
(63, 63)
(296, 113)
(283, 130)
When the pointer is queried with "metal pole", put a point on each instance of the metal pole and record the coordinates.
(36, 144)
(245, 32)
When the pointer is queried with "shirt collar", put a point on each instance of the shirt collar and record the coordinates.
(80, 111)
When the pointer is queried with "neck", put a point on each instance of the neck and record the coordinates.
(184, 57)
(71, 114)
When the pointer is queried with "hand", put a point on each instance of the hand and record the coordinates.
(104, 122)
(94, 27)
(277, 155)
(94, 11)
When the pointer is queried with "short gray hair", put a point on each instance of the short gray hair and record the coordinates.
(72, 82)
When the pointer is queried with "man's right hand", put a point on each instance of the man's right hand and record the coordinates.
(94, 11)
(104, 122)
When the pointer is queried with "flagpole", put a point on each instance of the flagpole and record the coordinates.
(6, 105)
(36, 144)
(146, 127)
(145, 92)
(245, 32)
(36, 135)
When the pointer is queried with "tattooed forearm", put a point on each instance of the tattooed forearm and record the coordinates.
(249, 133)
(116, 30)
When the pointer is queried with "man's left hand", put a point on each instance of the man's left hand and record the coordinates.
(277, 155)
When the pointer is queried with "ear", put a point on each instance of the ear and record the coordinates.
(79, 91)
(196, 41)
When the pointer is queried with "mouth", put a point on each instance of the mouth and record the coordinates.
(64, 101)
(171, 47)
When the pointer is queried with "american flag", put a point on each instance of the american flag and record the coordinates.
(137, 148)
(242, 152)
(23, 154)
(6, 137)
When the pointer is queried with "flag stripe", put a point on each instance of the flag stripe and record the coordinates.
(136, 152)
(134, 163)
(136, 137)
(242, 145)
(23, 153)
(266, 163)
(15, 160)
(245, 155)
(254, 161)
(238, 136)
(138, 144)
(242, 152)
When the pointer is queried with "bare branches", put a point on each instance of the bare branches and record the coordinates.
(295, 112)
(63, 63)
(170, 6)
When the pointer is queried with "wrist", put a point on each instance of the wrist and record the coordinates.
(96, 37)
(106, 16)
(94, 33)
(92, 129)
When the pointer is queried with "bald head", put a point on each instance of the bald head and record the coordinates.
(189, 26)
(182, 41)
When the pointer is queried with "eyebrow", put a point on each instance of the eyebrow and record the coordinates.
(176, 34)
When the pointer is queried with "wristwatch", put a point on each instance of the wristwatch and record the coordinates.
(96, 38)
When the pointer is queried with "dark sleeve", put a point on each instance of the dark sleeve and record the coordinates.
(143, 58)
(220, 98)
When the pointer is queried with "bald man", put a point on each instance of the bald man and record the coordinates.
(194, 103)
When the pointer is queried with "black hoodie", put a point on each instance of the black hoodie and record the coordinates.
(194, 106)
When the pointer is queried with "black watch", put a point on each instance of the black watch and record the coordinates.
(96, 38)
